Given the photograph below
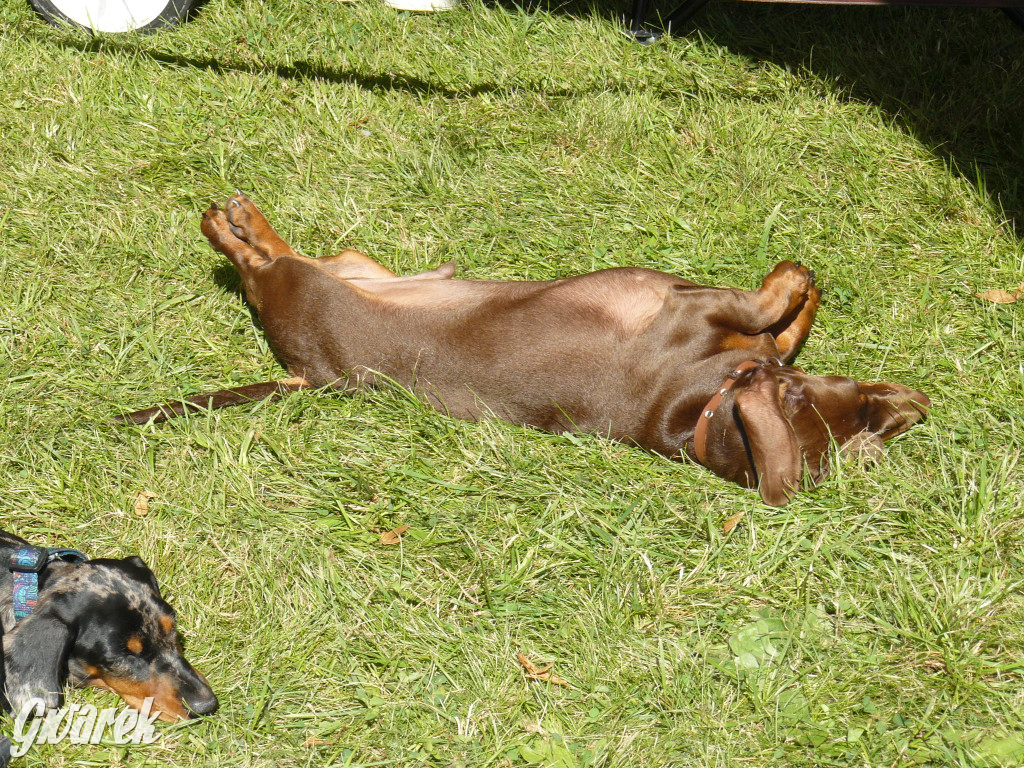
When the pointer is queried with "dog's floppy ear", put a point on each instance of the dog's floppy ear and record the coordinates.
(771, 438)
(138, 568)
(35, 653)
(892, 408)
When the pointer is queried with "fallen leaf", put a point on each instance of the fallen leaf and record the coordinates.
(732, 522)
(142, 503)
(999, 296)
(544, 673)
(314, 741)
(395, 536)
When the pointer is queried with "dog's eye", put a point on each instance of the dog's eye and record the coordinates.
(134, 645)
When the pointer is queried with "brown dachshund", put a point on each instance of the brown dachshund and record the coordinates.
(633, 354)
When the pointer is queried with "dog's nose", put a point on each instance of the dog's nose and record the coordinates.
(201, 703)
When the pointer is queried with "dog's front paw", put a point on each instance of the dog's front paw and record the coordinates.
(799, 278)
(792, 282)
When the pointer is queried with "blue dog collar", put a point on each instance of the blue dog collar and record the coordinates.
(25, 565)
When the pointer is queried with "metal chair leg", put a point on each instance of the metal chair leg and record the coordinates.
(646, 34)
(637, 26)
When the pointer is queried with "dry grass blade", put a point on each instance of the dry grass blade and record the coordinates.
(316, 741)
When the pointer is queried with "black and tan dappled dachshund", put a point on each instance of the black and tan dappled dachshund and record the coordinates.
(633, 354)
(100, 622)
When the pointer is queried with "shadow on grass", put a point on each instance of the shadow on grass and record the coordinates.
(952, 77)
(225, 277)
(299, 70)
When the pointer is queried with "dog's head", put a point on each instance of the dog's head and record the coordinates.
(104, 623)
(787, 420)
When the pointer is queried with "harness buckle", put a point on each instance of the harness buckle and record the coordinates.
(29, 559)
(25, 565)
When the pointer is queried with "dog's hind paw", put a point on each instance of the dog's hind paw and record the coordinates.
(252, 227)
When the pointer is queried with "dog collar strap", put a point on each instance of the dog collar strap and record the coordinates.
(25, 565)
(700, 434)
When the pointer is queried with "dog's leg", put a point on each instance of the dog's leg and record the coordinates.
(353, 264)
(790, 333)
(782, 293)
(251, 226)
(247, 260)
(269, 390)
(784, 305)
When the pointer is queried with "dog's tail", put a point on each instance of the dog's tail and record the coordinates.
(219, 399)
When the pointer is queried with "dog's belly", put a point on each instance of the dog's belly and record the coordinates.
(549, 377)
(542, 377)
(548, 355)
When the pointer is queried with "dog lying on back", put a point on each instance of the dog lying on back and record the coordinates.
(97, 623)
(633, 354)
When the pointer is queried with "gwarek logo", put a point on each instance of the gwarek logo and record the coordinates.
(82, 724)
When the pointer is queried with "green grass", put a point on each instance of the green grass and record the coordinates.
(877, 620)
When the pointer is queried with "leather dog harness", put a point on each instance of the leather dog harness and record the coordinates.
(25, 565)
(700, 434)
